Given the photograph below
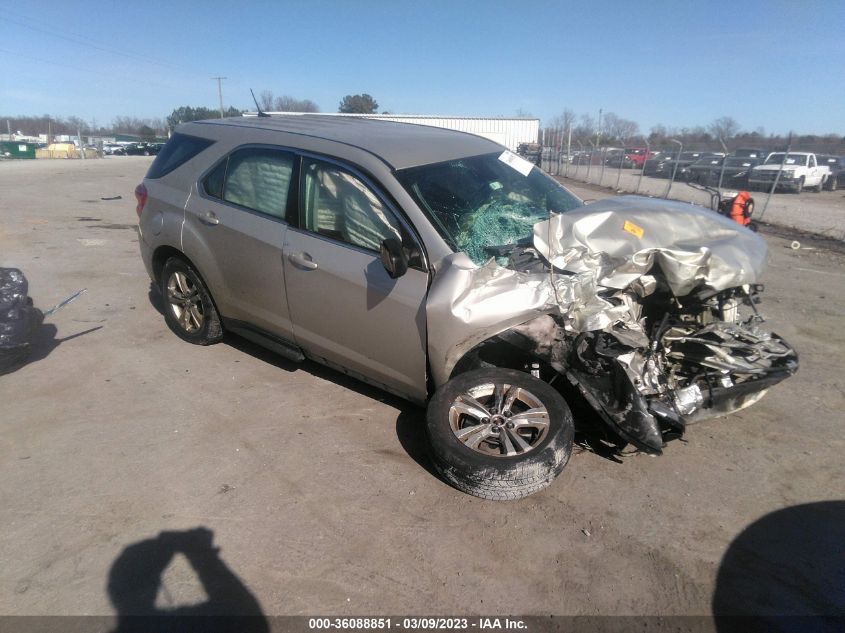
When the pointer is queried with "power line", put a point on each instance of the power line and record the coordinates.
(84, 42)
(101, 75)
(47, 61)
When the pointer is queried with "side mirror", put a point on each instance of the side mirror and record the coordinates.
(393, 257)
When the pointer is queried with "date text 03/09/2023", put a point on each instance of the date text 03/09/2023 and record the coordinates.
(415, 624)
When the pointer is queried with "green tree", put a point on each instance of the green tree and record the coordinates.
(147, 133)
(358, 104)
(184, 114)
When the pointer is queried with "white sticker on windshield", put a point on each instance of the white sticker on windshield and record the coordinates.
(517, 162)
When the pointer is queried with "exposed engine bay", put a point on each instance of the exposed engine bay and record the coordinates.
(653, 338)
(670, 362)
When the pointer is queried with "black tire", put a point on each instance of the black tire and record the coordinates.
(210, 329)
(499, 477)
(832, 183)
(818, 187)
(800, 186)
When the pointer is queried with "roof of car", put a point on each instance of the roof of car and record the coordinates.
(400, 145)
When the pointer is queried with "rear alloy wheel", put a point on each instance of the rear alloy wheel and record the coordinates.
(499, 433)
(188, 309)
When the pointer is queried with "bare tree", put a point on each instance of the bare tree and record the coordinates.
(285, 103)
(564, 120)
(617, 128)
(724, 127)
(265, 99)
(585, 130)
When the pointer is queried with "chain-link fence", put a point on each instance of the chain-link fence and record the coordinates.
(701, 178)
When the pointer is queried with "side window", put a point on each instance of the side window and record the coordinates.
(338, 205)
(178, 150)
(258, 179)
(812, 161)
(213, 183)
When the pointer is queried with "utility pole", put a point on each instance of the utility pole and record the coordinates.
(598, 131)
(220, 92)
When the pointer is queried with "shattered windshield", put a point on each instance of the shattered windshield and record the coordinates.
(482, 202)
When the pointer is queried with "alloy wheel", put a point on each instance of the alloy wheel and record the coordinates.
(499, 419)
(185, 303)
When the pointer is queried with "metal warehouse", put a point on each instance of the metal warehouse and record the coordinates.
(509, 132)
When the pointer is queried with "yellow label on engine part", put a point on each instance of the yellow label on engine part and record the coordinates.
(633, 229)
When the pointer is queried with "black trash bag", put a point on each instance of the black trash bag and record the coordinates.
(19, 319)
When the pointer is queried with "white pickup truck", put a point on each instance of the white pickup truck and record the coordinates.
(800, 169)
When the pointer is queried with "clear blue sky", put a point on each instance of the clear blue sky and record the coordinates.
(773, 64)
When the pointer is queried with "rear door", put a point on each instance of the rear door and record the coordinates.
(346, 310)
(234, 231)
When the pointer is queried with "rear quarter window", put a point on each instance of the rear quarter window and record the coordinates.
(178, 150)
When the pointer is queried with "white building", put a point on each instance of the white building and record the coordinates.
(509, 132)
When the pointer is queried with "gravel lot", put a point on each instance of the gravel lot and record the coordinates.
(317, 488)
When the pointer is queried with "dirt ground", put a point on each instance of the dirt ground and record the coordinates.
(317, 488)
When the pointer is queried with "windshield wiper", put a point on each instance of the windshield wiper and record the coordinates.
(503, 250)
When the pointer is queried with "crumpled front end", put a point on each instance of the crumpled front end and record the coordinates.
(648, 307)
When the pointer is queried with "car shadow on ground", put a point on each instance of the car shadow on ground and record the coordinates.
(785, 572)
(591, 433)
(136, 588)
(410, 422)
(155, 298)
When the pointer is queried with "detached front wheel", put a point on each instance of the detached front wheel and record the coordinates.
(499, 433)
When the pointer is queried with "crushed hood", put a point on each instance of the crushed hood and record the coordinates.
(620, 239)
(610, 244)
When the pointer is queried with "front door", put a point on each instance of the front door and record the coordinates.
(345, 307)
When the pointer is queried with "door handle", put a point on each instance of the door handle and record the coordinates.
(303, 260)
(210, 218)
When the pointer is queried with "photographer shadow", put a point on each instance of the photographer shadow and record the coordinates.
(135, 580)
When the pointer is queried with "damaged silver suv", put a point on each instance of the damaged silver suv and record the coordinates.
(443, 268)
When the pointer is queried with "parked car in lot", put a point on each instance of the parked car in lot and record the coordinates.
(707, 171)
(701, 169)
(836, 165)
(657, 162)
(143, 149)
(631, 157)
(530, 151)
(582, 157)
(686, 160)
(663, 165)
(745, 152)
(113, 149)
(800, 169)
(420, 260)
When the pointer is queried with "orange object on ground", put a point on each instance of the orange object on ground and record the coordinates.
(741, 208)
